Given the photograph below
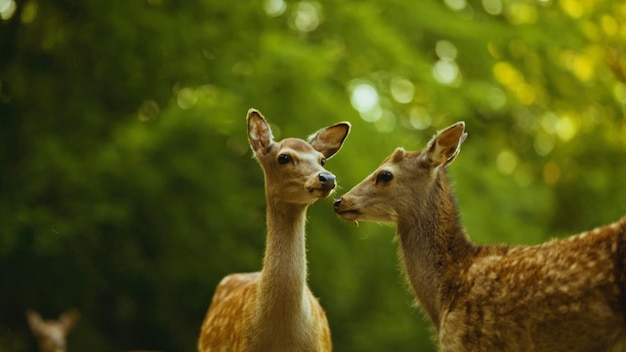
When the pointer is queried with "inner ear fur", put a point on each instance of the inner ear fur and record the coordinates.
(446, 145)
(259, 132)
(329, 140)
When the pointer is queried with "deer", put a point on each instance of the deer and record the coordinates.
(274, 309)
(562, 295)
(52, 334)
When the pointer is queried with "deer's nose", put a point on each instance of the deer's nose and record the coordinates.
(338, 203)
(327, 180)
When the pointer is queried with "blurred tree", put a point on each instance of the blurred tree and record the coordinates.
(126, 185)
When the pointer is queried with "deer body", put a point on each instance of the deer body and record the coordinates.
(563, 295)
(274, 310)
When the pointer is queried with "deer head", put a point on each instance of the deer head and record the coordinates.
(294, 168)
(52, 334)
(402, 181)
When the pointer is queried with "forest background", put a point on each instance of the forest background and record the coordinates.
(127, 187)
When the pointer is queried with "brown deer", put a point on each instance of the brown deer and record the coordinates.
(274, 309)
(52, 334)
(563, 295)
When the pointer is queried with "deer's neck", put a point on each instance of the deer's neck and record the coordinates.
(283, 279)
(434, 246)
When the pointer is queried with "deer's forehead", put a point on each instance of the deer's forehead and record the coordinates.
(297, 146)
(53, 330)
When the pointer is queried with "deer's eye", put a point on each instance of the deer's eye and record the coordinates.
(384, 176)
(323, 161)
(284, 159)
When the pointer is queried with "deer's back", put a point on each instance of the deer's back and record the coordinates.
(564, 295)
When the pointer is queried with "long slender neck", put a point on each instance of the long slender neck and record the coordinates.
(283, 279)
(433, 244)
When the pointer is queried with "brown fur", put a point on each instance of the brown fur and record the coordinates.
(563, 295)
(274, 310)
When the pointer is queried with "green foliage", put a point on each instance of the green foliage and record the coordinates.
(126, 184)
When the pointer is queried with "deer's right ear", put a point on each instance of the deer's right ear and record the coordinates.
(69, 319)
(259, 132)
(446, 145)
(329, 140)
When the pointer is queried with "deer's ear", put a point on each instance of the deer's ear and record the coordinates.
(446, 145)
(259, 132)
(35, 322)
(398, 155)
(329, 140)
(69, 319)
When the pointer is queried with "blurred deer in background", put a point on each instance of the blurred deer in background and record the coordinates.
(52, 334)
(563, 295)
(274, 310)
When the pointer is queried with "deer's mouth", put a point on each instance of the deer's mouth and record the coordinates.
(320, 192)
(349, 215)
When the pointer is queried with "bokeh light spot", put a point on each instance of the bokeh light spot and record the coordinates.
(496, 99)
(506, 162)
(307, 16)
(609, 25)
(186, 98)
(456, 5)
(419, 118)
(402, 90)
(446, 50)
(386, 123)
(148, 111)
(373, 114)
(7, 9)
(446, 72)
(274, 8)
(364, 96)
(522, 13)
(573, 8)
(583, 68)
(620, 93)
(492, 7)
(506, 74)
(567, 128)
(549, 122)
(544, 143)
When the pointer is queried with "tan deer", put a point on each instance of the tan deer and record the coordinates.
(52, 334)
(274, 310)
(563, 295)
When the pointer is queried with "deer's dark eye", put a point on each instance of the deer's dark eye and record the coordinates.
(284, 159)
(323, 161)
(384, 176)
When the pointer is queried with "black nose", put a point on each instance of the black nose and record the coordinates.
(327, 180)
(338, 203)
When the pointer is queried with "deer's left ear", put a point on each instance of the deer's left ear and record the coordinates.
(446, 145)
(329, 140)
(35, 322)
